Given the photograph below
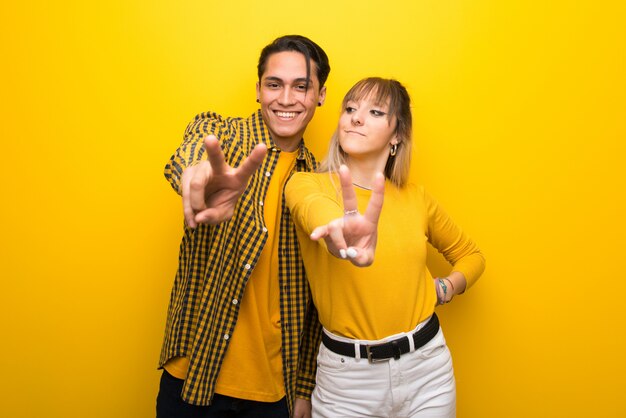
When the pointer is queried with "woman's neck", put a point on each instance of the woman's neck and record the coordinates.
(363, 171)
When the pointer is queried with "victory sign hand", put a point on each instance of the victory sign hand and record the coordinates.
(212, 188)
(354, 235)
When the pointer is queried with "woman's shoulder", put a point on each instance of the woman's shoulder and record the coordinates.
(413, 189)
(302, 175)
(412, 194)
(305, 183)
(311, 177)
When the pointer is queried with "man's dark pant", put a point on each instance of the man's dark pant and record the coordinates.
(171, 405)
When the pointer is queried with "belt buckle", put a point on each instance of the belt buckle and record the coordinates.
(369, 354)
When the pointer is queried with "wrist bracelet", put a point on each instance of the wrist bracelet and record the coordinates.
(449, 281)
(444, 287)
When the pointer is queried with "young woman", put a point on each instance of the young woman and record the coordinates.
(383, 352)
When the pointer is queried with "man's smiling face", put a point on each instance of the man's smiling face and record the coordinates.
(288, 103)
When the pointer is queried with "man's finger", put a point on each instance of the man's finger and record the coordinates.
(252, 163)
(185, 191)
(214, 216)
(350, 203)
(375, 205)
(215, 156)
(197, 186)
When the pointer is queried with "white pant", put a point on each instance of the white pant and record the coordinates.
(418, 384)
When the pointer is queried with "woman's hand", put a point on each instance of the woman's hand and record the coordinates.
(448, 287)
(354, 235)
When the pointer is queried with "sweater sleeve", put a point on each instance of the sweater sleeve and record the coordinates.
(310, 205)
(450, 240)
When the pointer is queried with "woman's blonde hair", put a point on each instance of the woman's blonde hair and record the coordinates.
(379, 91)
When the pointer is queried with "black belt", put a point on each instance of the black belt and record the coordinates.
(390, 349)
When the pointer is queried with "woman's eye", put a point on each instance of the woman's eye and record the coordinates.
(350, 109)
(377, 112)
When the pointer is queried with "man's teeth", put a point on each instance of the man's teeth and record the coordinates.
(286, 114)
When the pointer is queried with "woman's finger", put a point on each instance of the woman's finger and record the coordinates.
(319, 232)
(335, 239)
(375, 205)
(350, 204)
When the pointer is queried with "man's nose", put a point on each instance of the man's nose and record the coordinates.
(286, 97)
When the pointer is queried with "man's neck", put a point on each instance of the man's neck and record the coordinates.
(288, 144)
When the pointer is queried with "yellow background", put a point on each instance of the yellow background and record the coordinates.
(520, 128)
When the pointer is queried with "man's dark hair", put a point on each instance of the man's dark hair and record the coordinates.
(303, 45)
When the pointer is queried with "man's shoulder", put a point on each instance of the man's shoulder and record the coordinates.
(209, 118)
(225, 128)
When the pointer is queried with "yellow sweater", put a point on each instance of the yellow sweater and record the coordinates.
(396, 292)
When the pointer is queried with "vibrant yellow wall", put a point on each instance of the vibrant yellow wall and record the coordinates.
(520, 127)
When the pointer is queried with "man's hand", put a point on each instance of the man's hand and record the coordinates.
(212, 188)
(354, 236)
(302, 408)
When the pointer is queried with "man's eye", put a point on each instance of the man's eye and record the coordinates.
(272, 85)
(301, 87)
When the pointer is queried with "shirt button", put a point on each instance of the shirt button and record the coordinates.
(235, 301)
(247, 266)
(264, 229)
(226, 336)
(268, 174)
(261, 202)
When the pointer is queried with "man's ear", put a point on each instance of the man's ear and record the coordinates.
(322, 96)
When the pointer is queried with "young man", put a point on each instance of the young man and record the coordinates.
(240, 300)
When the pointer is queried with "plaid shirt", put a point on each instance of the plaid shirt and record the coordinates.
(215, 263)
